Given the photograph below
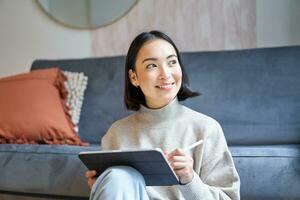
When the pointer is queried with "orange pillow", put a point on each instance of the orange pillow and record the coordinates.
(33, 109)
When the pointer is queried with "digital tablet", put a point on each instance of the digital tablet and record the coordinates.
(151, 163)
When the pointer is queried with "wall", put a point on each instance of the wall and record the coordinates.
(278, 22)
(194, 25)
(26, 33)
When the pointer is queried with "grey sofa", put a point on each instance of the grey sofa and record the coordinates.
(254, 94)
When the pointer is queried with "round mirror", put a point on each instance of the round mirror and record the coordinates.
(86, 14)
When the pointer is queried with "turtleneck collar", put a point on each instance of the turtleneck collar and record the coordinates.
(160, 115)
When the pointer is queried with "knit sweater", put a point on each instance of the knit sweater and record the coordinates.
(173, 126)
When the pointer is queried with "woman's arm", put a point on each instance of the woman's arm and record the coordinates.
(218, 178)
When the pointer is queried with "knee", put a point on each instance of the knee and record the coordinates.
(119, 177)
(117, 182)
(124, 173)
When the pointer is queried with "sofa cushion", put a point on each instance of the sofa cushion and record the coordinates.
(254, 94)
(43, 169)
(55, 170)
(268, 171)
(33, 109)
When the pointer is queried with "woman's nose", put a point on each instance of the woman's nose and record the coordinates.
(165, 73)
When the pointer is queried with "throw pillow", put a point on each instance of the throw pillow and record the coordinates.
(33, 109)
(76, 84)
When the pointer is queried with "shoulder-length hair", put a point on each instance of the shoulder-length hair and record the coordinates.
(133, 96)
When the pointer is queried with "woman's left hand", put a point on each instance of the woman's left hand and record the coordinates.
(182, 164)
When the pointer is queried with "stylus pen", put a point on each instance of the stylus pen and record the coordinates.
(193, 145)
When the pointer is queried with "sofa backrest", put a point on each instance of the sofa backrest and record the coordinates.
(254, 94)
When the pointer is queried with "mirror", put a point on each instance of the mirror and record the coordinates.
(86, 14)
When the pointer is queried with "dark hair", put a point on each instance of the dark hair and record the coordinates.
(133, 96)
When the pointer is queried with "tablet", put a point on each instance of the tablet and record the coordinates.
(151, 163)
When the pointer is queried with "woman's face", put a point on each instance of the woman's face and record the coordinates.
(157, 73)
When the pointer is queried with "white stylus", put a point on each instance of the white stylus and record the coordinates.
(193, 145)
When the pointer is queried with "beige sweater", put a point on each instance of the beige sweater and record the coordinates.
(172, 126)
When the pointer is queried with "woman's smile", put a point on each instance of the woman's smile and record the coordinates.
(166, 86)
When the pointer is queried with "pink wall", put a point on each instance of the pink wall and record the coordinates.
(193, 25)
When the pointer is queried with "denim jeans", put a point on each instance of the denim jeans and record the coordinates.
(119, 183)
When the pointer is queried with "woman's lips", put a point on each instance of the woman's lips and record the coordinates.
(166, 85)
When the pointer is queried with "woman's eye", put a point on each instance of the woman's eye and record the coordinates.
(150, 66)
(173, 62)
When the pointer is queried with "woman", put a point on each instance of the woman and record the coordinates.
(155, 81)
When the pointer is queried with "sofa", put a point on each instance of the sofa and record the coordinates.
(253, 93)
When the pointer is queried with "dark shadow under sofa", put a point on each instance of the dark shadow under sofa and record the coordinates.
(254, 94)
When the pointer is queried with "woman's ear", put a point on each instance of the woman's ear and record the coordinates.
(133, 78)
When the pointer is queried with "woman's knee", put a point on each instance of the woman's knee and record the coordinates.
(124, 173)
(118, 182)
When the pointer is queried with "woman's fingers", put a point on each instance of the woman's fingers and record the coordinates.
(90, 173)
(178, 159)
(179, 162)
(91, 176)
(177, 152)
(182, 163)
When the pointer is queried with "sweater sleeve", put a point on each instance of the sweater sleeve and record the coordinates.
(218, 178)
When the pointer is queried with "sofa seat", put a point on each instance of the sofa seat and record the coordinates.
(57, 170)
(43, 169)
(277, 167)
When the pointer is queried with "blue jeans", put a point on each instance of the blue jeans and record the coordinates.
(119, 183)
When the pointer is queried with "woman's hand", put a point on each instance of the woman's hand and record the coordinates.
(91, 176)
(182, 164)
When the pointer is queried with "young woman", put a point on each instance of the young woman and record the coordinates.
(155, 82)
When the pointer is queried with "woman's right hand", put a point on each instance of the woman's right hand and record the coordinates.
(91, 176)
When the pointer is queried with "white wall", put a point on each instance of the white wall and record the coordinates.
(26, 34)
(278, 22)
